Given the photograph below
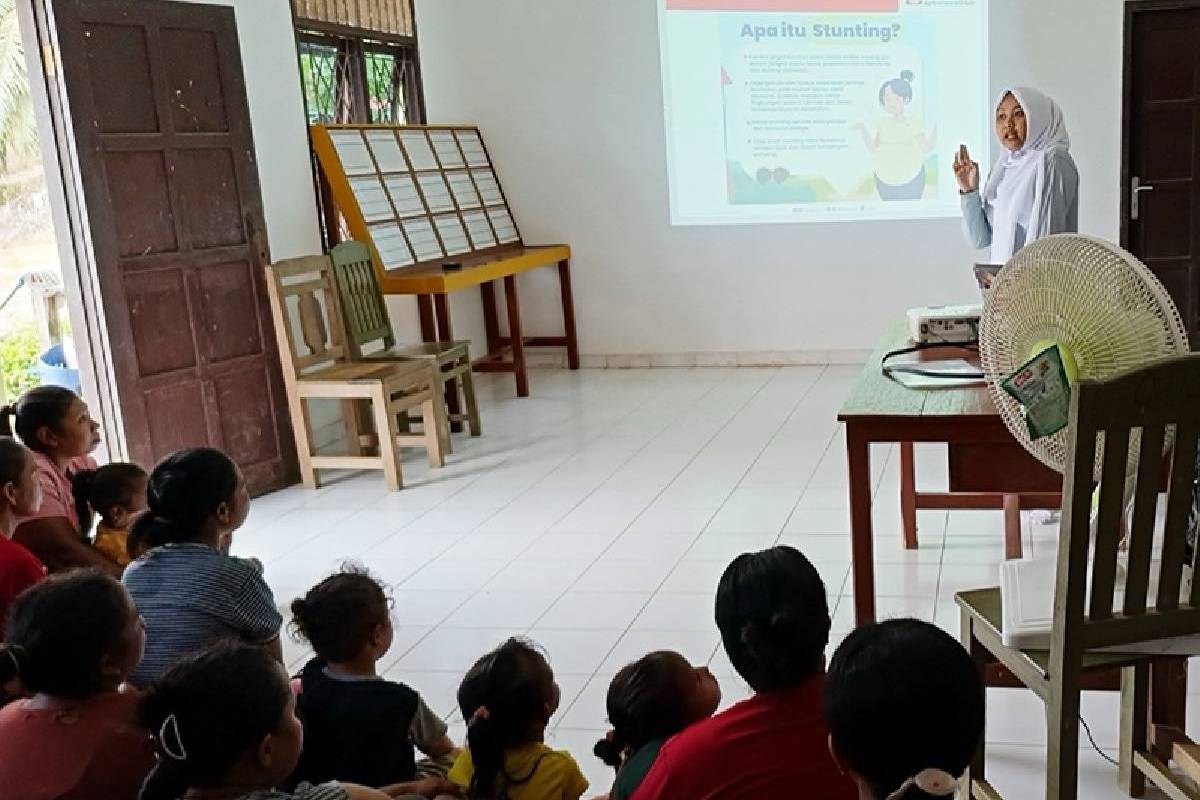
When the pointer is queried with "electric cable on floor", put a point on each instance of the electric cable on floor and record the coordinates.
(1087, 729)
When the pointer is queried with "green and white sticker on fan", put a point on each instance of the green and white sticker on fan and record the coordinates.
(1042, 385)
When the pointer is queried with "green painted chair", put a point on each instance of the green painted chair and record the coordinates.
(1091, 629)
(369, 335)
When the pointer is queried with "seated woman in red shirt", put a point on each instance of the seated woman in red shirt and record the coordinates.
(904, 703)
(20, 495)
(73, 639)
(774, 622)
(55, 424)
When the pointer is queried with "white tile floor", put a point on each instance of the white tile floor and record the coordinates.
(596, 517)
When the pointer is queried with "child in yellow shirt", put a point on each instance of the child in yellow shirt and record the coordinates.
(507, 699)
(117, 492)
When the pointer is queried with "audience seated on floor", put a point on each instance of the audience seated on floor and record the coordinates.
(20, 496)
(117, 493)
(774, 622)
(199, 630)
(189, 591)
(359, 727)
(55, 424)
(905, 706)
(227, 727)
(648, 702)
(73, 639)
(507, 699)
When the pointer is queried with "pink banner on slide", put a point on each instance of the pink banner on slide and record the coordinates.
(858, 6)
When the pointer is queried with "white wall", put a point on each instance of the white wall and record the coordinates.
(277, 120)
(568, 94)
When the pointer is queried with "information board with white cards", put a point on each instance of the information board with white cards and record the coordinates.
(418, 196)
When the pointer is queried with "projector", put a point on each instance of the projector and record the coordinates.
(944, 324)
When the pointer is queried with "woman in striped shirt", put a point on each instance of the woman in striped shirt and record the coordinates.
(190, 592)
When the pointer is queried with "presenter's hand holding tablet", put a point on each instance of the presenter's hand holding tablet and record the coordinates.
(966, 171)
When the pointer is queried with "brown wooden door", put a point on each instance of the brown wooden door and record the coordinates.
(1161, 158)
(162, 127)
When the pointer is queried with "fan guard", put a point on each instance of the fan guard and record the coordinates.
(1093, 298)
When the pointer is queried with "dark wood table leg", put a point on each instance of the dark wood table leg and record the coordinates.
(425, 313)
(858, 462)
(1168, 704)
(568, 309)
(1012, 526)
(491, 323)
(515, 336)
(446, 334)
(908, 496)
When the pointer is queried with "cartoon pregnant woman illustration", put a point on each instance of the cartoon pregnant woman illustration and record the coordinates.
(900, 144)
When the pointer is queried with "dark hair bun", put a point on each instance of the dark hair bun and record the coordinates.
(907, 76)
(609, 750)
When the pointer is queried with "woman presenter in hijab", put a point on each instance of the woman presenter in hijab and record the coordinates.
(1033, 191)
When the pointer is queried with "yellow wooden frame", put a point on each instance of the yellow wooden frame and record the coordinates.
(347, 203)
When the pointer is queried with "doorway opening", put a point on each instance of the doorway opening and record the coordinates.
(37, 345)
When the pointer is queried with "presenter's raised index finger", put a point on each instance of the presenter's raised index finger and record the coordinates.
(963, 155)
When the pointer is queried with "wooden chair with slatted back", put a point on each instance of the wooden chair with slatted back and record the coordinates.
(308, 327)
(370, 337)
(1161, 397)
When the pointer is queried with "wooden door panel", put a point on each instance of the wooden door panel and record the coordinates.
(1158, 44)
(247, 429)
(156, 302)
(1162, 148)
(1166, 222)
(1177, 279)
(208, 185)
(198, 104)
(118, 62)
(137, 184)
(158, 106)
(229, 321)
(1170, 154)
(176, 417)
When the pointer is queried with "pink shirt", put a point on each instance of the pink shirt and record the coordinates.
(91, 751)
(57, 498)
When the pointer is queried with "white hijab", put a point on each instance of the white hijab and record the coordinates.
(1015, 187)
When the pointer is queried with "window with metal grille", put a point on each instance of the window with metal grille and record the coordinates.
(358, 64)
(359, 80)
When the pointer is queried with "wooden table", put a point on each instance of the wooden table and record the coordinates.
(504, 353)
(988, 468)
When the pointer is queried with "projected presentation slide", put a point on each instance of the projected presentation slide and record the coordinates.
(818, 110)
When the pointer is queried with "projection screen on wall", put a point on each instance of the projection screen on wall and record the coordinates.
(818, 110)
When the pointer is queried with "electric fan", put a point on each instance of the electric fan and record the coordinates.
(1104, 309)
(1107, 314)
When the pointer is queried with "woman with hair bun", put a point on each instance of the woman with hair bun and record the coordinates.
(774, 622)
(900, 144)
(649, 701)
(190, 592)
(73, 639)
(54, 423)
(905, 706)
